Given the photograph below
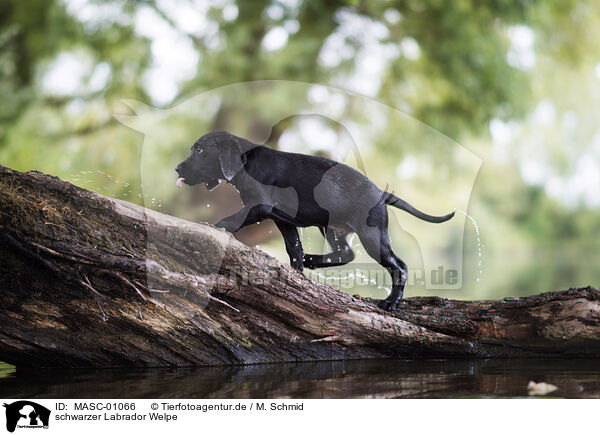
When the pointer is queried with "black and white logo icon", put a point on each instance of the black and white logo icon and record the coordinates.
(26, 414)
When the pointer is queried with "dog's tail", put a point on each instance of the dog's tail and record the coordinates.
(391, 199)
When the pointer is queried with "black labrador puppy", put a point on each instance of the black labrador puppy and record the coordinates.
(297, 190)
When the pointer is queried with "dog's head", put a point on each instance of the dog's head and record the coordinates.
(215, 156)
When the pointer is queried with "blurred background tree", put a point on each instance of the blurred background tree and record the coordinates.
(518, 83)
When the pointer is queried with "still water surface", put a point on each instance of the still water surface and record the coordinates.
(575, 378)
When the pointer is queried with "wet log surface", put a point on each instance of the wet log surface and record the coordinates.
(89, 281)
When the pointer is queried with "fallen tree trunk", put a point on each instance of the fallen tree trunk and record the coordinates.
(91, 281)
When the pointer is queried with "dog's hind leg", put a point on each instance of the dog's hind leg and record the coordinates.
(293, 244)
(341, 251)
(374, 237)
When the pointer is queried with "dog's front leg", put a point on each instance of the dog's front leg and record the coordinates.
(248, 215)
(293, 244)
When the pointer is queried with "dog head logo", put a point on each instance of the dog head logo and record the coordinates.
(423, 167)
(26, 414)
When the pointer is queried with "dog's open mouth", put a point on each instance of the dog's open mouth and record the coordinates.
(211, 184)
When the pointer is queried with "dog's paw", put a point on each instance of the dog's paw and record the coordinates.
(388, 305)
(297, 264)
(224, 226)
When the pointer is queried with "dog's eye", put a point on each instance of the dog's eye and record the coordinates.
(198, 149)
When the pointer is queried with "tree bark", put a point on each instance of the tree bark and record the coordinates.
(91, 281)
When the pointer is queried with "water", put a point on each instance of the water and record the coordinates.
(479, 245)
(336, 280)
(575, 378)
(89, 180)
(320, 276)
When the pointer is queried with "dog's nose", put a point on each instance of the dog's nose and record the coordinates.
(178, 169)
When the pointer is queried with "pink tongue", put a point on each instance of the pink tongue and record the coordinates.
(179, 181)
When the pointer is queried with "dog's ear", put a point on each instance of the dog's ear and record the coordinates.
(230, 157)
